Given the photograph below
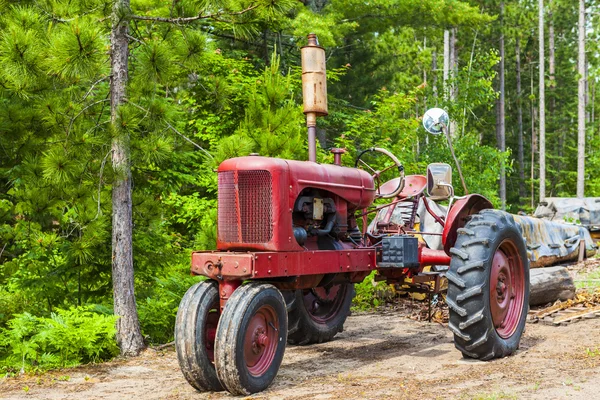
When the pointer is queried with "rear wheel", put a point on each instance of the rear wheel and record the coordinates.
(317, 315)
(250, 339)
(488, 286)
(195, 330)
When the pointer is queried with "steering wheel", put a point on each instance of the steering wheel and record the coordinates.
(376, 174)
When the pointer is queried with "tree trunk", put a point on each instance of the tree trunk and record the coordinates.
(453, 62)
(542, 103)
(501, 112)
(581, 104)
(446, 71)
(453, 128)
(593, 116)
(533, 138)
(129, 337)
(551, 48)
(520, 124)
(434, 70)
(554, 127)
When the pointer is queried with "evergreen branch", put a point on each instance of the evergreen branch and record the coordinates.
(52, 16)
(82, 111)
(189, 140)
(176, 131)
(185, 20)
(93, 86)
(134, 39)
(236, 39)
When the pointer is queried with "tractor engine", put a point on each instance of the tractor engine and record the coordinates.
(270, 204)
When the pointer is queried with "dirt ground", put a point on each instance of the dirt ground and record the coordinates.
(379, 355)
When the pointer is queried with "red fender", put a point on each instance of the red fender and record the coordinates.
(457, 217)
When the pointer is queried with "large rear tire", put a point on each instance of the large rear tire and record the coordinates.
(488, 286)
(317, 315)
(195, 330)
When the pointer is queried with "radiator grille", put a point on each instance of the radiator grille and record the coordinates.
(245, 211)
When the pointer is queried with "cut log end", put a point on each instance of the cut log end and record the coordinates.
(550, 284)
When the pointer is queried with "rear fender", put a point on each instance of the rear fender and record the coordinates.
(457, 217)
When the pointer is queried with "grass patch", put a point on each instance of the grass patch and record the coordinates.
(592, 352)
(589, 282)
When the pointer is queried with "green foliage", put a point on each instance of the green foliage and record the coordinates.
(371, 293)
(365, 298)
(273, 121)
(64, 339)
(158, 309)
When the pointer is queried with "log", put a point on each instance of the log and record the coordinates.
(547, 285)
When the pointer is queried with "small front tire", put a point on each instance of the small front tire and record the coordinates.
(195, 330)
(251, 338)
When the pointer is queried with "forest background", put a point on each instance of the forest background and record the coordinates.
(213, 79)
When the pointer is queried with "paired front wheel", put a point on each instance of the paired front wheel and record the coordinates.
(242, 350)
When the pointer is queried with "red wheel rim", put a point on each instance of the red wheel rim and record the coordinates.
(507, 289)
(210, 331)
(323, 304)
(261, 340)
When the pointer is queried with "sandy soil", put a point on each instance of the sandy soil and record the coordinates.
(379, 355)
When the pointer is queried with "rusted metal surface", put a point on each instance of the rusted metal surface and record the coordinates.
(550, 242)
(269, 264)
(402, 212)
(226, 289)
(314, 77)
(314, 89)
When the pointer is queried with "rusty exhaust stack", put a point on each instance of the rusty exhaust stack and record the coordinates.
(314, 89)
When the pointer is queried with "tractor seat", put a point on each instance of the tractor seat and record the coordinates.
(413, 186)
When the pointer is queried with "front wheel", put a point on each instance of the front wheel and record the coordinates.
(195, 330)
(251, 338)
(488, 286)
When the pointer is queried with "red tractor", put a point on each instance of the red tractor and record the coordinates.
(294, 238)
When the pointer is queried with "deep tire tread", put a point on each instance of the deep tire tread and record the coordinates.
(463, 255)
(468, 267)
(474, 291)
(482, 241)
(468, 285)
(456, 280)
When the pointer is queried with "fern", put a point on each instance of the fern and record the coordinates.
(65, 339)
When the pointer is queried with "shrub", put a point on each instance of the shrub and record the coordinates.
(65, 339)
(370, 293)
(158, 310)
